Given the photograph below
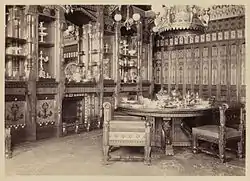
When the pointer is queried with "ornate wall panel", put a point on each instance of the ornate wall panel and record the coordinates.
(173, 66)
(213, 63)
(243, 64)
(233, 65)
(180, 74)
(45, 112)
(196, 66)
(223, 64)
(166, 67)
(205, 66)
(15, 113)
(144, 60)
(189, 66)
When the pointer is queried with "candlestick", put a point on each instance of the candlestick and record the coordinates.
(41, 33)
(42, 73)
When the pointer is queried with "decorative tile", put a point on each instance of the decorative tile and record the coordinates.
(233, 34)
(197, 39)
(166, 42)
(162, 42)
(191, 39)
(181, 40)
(220, 37)
(186, 39)
(202, 38)
(171, 41)
(214, 38)
(239, 33)
(176, 41)
(208, 37)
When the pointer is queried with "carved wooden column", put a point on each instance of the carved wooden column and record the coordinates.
(117, 76)
(150, 64)
(100, 20)
(90, 37)
(162, 60)
(60, 77)
(139, 57)
(185, 71)
(32, 40)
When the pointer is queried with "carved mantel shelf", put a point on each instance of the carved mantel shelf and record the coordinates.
(15, 88)
(47, 86)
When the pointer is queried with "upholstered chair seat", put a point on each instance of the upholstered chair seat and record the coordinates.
(214, 131)
(221, 134)
(124, 130)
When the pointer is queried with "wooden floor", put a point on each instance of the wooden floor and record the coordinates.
(82, 155)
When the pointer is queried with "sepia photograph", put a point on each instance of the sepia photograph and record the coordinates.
(124, 89)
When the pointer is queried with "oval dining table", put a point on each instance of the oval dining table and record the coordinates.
(174, 131)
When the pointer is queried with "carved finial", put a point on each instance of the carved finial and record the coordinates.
(106, 105)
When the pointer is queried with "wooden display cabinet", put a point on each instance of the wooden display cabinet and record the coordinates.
(133, 68)
(16, 41)
(31, 102)
(46, 46)
(16, 76)
(131, 61)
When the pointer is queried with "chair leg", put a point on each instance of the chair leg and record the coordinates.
(222, 151)
(195, 144)
(106, 154)
(147, 155)
(240, 149)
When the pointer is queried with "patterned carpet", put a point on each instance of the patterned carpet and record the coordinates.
(82, 155)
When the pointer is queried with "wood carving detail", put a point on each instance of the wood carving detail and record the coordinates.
(15, 113)
(45, 111)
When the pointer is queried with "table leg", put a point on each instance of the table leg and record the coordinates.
(179, 138)
(166, 127)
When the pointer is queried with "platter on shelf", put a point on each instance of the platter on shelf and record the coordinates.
(75, 73)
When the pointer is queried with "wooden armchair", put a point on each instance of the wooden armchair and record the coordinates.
(221, 134)
(124, 130)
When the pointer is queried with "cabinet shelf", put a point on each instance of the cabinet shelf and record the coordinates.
(15, 56)
(45, 45)
(128, 67)
(15, 39)
(128, 56)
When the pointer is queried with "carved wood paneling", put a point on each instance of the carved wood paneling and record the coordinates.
(214, 63)
(15, 114)
(45, 112)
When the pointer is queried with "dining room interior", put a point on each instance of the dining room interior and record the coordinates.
(125, 90)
